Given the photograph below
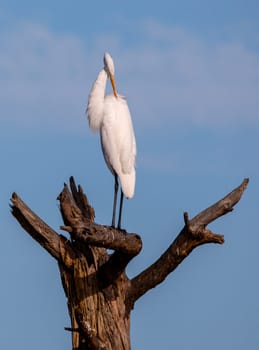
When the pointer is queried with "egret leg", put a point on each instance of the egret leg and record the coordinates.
(121, 202)
(114, 199)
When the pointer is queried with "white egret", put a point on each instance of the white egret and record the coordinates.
(111, 116)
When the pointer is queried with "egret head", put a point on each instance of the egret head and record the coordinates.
(110, 70)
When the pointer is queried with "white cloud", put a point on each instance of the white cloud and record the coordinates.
(170, 77)
(42, 78)
(184, 79)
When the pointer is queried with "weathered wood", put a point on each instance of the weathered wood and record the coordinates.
(99, 294)
(193, 234)
(96, 298)
(79, 218)
(54, 243)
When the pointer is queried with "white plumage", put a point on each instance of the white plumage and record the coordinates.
(111, 116)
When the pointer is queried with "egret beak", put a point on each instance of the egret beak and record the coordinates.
(113, 85)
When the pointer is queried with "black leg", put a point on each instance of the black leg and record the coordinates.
(121, 202)
(114, 199)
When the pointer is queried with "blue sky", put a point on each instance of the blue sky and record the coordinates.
(190, 71)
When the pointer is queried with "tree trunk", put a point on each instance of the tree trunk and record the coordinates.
(99, 295)
(99, 317)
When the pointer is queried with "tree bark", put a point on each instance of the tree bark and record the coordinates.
(99, 295)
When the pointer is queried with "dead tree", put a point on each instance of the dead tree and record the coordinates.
(99, 295)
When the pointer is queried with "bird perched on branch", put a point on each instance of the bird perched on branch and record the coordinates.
(111, 116)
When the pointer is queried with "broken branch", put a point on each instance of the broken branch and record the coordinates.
(192, 235)
(54, 243)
